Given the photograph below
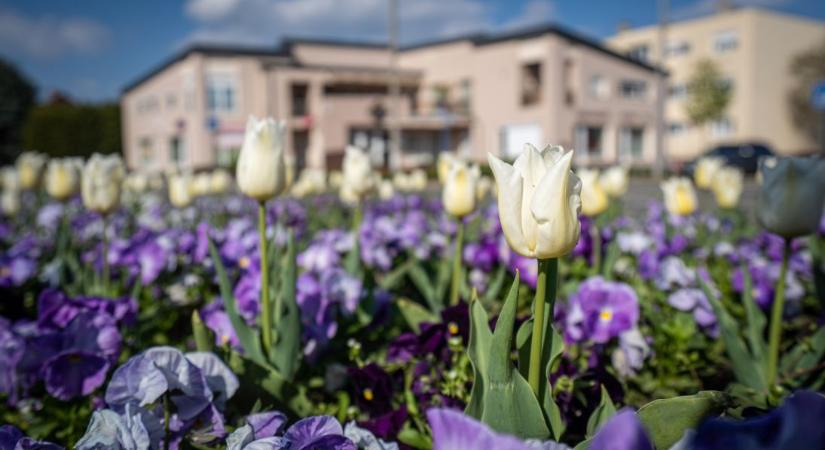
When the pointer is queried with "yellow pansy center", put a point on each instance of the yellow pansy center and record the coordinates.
(368, 395)
(606, 315)
(452, 328)
(244, 262)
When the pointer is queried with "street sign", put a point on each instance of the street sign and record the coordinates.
(818, 96)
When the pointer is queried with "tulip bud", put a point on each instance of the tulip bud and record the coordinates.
(680, 197)
(727, 187)
(614, 181)
(358, 178)
(445, 161)
(539, 202)
(594, 198)
(705, 170)
(10, 179)
(30, 168)
(201, 184)
(792, 195)
(459, 194)
(417, 180)
(220, 181)
(181, 188)
(137, 182)
(385, 190)
(101, 182)
(62, 178)
(261, 172)
(484, 187)
(10, 202)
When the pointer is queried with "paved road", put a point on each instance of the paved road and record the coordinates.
(641, 190)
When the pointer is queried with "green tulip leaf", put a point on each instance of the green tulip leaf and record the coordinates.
(286, 353)
(603, 412)
(755, 317)
(666, 420)
(202, 334)
(415, 314)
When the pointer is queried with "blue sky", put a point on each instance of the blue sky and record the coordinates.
(92, 48)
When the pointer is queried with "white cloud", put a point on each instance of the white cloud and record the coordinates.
(48, 37)
(264, 22)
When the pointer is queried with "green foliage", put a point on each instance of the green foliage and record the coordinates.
(17, 96)
(708, 95)
(61, 129)
(666, 420)
(603, 412)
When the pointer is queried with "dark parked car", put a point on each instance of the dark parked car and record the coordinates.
(744, 156)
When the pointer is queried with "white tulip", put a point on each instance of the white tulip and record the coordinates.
(417, 180)
(10, 202)
(539, 202)
(201, 184)
(30, 168)
(706, 167)
(261, 171)
(385, 190)
(358, 178)
(310, 182)
(181, 188)
(484, 187)
(459, 193)
(336, 179)
(137, 182)
(594, 198)
(680, 197)
(101, 182)
(220, 181)
(445, 161)
(727, 187)
(10, 179)
(614, 180)
(62, 178)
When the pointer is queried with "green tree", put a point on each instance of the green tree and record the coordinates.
(708, 93)
(16, 99)
(807, 68)
(62, 129)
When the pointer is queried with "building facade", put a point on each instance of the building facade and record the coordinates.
(753, 48)
(474, 94)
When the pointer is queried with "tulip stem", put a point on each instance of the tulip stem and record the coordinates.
(105, 255)
(266, 307)
(776, 316)
(455, 287)
(596, 248)
(545, 298)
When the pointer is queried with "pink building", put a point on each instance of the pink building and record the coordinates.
(474, 94)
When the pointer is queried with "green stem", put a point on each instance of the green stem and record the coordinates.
(266, 307)
(545, 298)
(596, 238)
(455, 287)
(776, 316)
(105, 274)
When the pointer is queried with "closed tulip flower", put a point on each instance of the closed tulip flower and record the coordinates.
(201, 184)
(261, 171)
(62, 178)
(385, 190)
(594, 198)
(727, 187)
(10, 202)
(220, 181)
(614, 181)
(181, 188)
(680, 197)
(417, 180)
(459, 194)
(539, 202)
(101, 182)
(30, 168)
(137, 182)
(445, 161)
(358, 178)
(484, 187)
(705, 170)
(792, 195)
(10, 179)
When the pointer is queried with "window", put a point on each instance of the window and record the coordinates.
(465, 95)
(631, 143)
(634, 89)
(678, 91)
(220, 93)
(599, 87)
(639, 53)
(299, 99)
(146, 152)
(513, 137)
(676, 128)
(147, 104)
(589, 141)
(530, 84)
(725, 41)
(676, 48)
(721, 127)
(177, 150)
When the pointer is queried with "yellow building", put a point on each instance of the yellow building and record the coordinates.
(754, 49)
